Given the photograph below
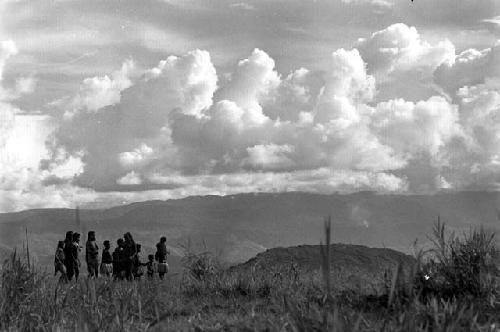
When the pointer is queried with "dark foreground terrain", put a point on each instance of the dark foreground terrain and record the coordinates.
(452, 287)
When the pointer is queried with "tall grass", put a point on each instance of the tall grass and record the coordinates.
(452, 287)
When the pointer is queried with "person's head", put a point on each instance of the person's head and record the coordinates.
(151, 258)
(91, 236)
(76, 237)
(60, 244)
(138, 247)
(163, 239)
(69, 236)
(119, 242)
(128, 237)
(106, 244)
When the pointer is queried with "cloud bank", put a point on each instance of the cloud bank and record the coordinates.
(394, 113)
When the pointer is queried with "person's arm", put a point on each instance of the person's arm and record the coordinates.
(59, 257)
(134, 250)
(74, 253)
(88, 248)
(95, 251)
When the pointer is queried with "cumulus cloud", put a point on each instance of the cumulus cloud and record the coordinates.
(412, 128)
(98, 92)
(137, 156)
(470, 67)
(270, 156)
(176, 119)
(176, 129)
(118, 138)
(400, 47)
(131, 178)
(472, 80)
(22, 147)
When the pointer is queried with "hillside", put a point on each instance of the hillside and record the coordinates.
(352, 266)
(238, 227)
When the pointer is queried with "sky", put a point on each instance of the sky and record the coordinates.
(110, 102)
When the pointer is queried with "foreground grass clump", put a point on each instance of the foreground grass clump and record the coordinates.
(453, 287)
(460, 266)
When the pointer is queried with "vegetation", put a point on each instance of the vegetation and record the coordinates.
(453, 287)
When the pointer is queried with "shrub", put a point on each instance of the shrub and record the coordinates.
(199, 266)
(458, 266)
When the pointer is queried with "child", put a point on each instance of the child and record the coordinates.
(59, 261)
(150, 266)
(106, 260)
(92, 255)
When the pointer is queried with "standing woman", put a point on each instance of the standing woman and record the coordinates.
(92, 255)
(68, 255)
(75, 251)
(59, 262)
(161, 257)
(130, 251)
(118, 260)
(106, 260)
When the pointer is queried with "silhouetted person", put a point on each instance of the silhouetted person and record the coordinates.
(75, 251)
(118, 258)
(129, 251)
(150, 266)
(106, 260)
(68, 255)
(92, 255)
(59, 262)
(137, 270)
(161, 256)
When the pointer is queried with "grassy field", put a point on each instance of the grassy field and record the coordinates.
(452, 287)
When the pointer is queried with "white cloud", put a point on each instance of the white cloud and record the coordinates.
(131, 178)
(493, 24)
(254, 81)
(7, 49)
(347, 86)
(270, 156)
(123, 136)
(178, 127)
(138, 155)
(98, 92)
(469, 68)
(25, 85)
(400, 48)
(242, 5)
(411, 128)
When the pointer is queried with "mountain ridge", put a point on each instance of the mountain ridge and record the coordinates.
(242, 225)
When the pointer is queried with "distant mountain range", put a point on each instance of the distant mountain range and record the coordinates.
(238, 227)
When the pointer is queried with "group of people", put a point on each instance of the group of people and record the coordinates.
(123, 263)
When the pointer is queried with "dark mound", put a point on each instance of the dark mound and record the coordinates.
(352, 266)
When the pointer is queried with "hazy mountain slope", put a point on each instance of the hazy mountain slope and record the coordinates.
(240, 226)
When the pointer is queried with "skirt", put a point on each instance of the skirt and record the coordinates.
(107, 269)
(162, 267)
